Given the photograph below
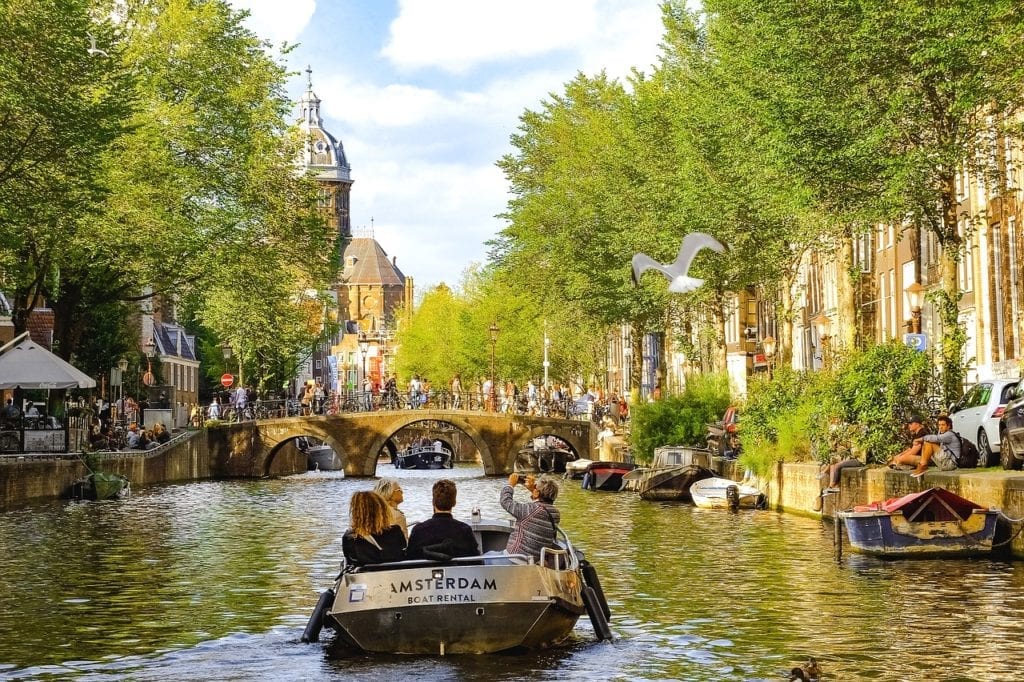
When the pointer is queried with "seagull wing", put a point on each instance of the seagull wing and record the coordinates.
(692, 244)
(642, 263)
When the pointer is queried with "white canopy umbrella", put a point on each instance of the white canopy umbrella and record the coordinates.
(26, 364)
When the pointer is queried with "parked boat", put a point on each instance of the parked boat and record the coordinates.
(670, 475)
(578, 467)
(721, 493)
(319, 457)
(425, 457)
(606, 476)
(543, 457)
(469, 605)
(932, 523)
(101, 485)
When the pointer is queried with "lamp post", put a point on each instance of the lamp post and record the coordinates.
(823, 325)
(768, 343)
(547, 343)
(915, 294)
(627, 367)
(364, 348)
(122, 366)
(150, 349)
(493, 329)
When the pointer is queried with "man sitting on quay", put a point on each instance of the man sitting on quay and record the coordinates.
(442, 534)
(912, 455)
(943, 448)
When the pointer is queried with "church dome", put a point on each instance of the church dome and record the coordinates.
(323, 153)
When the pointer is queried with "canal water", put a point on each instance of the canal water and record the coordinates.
(215, 581)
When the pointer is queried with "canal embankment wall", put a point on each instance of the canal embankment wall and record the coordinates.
(191, 456)
(795, 488)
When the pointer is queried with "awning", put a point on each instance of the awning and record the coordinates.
(28, 365)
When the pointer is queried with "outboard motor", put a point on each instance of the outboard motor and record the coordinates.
(732, 496)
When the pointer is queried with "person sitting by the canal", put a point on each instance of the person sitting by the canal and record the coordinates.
(391, 491)
(371, 538)
(442, 534)
(134, 437)
(161, 434)
(536, 521)
(912, 455)
(943, 448)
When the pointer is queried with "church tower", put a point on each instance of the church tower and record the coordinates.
(325, 157)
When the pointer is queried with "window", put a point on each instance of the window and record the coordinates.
(893, 323)
(997, 294)
(883, 303)
(318, 364)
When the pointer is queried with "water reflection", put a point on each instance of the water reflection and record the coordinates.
(215, 580)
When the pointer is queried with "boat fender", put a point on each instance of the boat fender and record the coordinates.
(590, 578)
(596, 615)
(316, 621)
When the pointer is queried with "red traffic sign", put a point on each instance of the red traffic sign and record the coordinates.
(226, 380)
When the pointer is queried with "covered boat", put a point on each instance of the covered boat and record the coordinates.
(319, 456)
(667, 481)
(544, 457)
(101, 485)
(932, 523)
(722, 493)
(433, 456)
(606, 476)
(468, 605)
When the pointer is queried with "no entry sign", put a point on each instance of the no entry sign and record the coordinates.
(226, 380)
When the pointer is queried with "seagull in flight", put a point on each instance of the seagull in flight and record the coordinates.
(680, 281)
(93, 50)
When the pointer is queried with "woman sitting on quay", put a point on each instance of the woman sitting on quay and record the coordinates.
(372, 537)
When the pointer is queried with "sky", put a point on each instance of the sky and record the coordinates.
(425, 94)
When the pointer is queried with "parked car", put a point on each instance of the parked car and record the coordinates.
(1011, 430)
(976, 416)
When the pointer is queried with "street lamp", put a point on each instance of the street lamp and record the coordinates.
(493, 329)
(364, 348)
(547, 343)
(823, 325)
(150, 349)
(768, 343)
(122, 367)
(915, 294)
(226, 350)
(627, 365)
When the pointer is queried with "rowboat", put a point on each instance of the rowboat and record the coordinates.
(932, 523)
(470, 605)
(721, 493)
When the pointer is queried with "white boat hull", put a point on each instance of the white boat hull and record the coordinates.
(712, 493)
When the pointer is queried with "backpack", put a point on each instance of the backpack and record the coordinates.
(968, 454)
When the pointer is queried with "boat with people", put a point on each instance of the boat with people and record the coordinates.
(468, 605)
(425, 454)
(722, 493)
(606, 476)
(544, 455)
(932, 523)
(672, 472)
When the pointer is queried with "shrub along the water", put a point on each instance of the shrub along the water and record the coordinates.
(861, 405)
(678, 419)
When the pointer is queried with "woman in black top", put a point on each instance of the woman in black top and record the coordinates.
(372, 539)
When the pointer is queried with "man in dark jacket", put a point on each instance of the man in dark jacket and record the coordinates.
(442, 534)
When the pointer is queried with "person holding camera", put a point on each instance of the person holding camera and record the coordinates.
(536, 521)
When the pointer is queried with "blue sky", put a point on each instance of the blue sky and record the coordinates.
(424, 95)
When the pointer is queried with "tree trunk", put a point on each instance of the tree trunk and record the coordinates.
(947, 299)
(846, 339)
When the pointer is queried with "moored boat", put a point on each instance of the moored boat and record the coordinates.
(722, 493)
(101, 485)
(606, 476)
(932, 523)
(319, 457)
(666, 482)
(431, 456)
(577, 468)
(479, 604)
(543, 457)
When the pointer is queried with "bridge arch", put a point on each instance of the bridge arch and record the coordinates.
(393, 427)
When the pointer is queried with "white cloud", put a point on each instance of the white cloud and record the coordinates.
(456, 35)
(275, 20)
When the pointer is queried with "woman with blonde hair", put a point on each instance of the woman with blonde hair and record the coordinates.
(372, 537)
(391, 491)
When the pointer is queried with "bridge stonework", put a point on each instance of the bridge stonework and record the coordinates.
(252, 449)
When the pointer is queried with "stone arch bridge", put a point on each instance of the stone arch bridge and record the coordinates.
(248, 449)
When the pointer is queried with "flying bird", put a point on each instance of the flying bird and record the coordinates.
(679, 281)
(93, 50)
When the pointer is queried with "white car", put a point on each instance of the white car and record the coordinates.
(976, 416)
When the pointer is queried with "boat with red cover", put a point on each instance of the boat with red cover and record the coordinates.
(928, 524)
(606, 475)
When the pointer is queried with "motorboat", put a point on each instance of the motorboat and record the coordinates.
(319, 457)
(543, 457)
(101, 485)
(470, 605)
(577, 467)
(433, 456)
(722, 493)
(670, 475)
(932, 523)
(606, 476)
